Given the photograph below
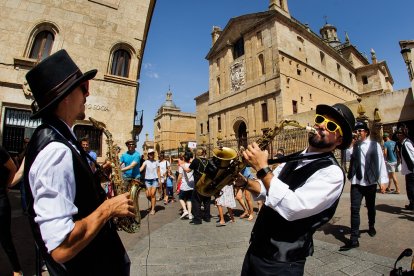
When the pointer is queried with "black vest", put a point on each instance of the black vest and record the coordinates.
(276, 238)
(406, 156)
(371, 174)
(105, 254)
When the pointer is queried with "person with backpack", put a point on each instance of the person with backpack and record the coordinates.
(198, 165)
(406, 149)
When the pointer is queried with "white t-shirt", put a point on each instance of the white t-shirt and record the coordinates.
(151, 169)
(186, 185)
(163, 168)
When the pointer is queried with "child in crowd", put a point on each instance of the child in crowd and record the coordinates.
(170, 186)
(226, 200)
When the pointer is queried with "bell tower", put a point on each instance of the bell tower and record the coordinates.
(329, 35)
(280, 6)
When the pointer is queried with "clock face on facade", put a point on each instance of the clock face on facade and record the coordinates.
(237, 75)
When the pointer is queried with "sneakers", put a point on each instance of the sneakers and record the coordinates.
(190, 216)
(184, 215)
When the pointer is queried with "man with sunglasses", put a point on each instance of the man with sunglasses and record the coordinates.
(299, 196)
(67, 208)
(130, 161)
(366, 170)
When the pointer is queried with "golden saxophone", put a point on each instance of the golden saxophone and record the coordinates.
(127, 224)
(227, 163)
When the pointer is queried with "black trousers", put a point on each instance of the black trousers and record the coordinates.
(5, 233)
(254, 265)
(357, 193)
(409, 182)
(196, 201)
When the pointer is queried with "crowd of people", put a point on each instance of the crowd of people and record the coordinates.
(300, 194)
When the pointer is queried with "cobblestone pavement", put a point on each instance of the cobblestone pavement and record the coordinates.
(166, 245)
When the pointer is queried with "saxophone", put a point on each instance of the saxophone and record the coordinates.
(227, 163)
(127, 224)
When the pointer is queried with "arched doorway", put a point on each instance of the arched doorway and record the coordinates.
(242, 135)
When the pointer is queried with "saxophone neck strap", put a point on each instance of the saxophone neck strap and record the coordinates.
(296, 156)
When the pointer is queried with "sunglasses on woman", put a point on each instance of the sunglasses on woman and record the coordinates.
(331, 126)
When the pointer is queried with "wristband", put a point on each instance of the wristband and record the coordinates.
(263, 172)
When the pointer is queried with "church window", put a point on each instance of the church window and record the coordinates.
(265, 114)
(201, 128)
(301, 99)
(42, 45)
(364, 80)
(310, 96)
(299, 72)
(238, 48)
(121, 60)
(218, 123)
(218, 64)
(351, 79)
(259, 39)
(218, 86)
(208, 126)
(322, 56)
(295, 107)
(338, 68)
(262, 65)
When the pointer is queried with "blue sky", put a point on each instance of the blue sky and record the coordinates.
(180, 37)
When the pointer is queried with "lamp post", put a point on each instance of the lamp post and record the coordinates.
(406, 54)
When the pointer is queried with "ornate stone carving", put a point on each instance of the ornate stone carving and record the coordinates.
(237, 75)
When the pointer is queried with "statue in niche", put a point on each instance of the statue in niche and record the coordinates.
(237, 75)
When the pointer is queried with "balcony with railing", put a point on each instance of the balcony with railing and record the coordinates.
(138, 122)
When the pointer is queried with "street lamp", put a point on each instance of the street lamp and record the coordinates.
(406, 54)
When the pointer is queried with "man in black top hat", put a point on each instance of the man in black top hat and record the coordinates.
(366, 170)
(68, 211)
(299, 195)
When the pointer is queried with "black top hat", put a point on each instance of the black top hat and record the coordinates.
(343, 117)
(53, 79)
(361, 125)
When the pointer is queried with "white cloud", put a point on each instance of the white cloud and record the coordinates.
(149, 71)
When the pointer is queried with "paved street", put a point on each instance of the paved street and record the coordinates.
(167, 245)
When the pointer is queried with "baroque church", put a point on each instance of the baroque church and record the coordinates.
(268, 66)
(108, 35)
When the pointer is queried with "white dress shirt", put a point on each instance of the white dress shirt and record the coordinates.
(364, 145)
(410, 149)
(53, 187)
(318, 193)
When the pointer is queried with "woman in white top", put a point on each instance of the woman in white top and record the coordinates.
(152, 178)
(187, 186)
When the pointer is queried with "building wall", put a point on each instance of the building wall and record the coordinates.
(90, 32)
(172, 127)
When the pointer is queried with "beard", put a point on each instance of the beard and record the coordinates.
(318, 141)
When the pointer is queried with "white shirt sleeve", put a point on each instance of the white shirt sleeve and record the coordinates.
(52, 183)
(318, 193)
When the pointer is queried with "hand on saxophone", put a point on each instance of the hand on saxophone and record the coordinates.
(256, 157)
(120, 206)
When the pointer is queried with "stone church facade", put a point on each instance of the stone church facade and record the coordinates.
(108, 35)
(173, 129)
(267, 66)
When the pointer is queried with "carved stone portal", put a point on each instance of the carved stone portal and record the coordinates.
(237, 75)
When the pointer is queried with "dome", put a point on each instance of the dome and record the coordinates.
(168, 102)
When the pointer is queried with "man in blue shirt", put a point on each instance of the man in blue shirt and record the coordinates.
(131, 161)
(85, 146)
(390, 161)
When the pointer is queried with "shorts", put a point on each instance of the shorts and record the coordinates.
(391, 166)
(151, 183)
(185, 195)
